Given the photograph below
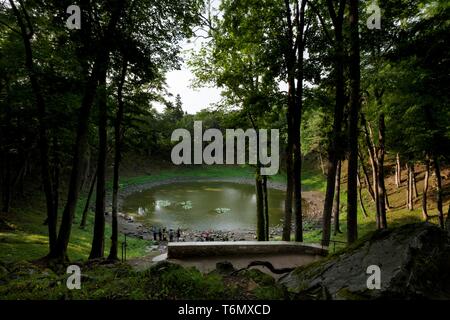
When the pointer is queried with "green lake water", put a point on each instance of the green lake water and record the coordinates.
(202, 206)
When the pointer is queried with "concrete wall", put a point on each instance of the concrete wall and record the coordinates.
(179, 250)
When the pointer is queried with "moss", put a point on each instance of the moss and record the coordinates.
(119, 281)
(346, 294)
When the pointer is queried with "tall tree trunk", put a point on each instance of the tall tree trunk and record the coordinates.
(266, 208)
(386, 200)
(86, 169)
(437, 170)
(337, 199)
(398, 171)
(117, 159)
(297, 126)
(380, 165)
(27, 34)
(410, 188)
(260, 201)
(98, 241)
(361, 201)
(414, 185)
(335, 149)
(425, 190)
(366, 178)
(6, 182)
(289, 56)
(322, 167)
(88, 201)
(287, 222)
(354, 71)
(447, 221)
(260, 226)
(99, 68)
(374, 163)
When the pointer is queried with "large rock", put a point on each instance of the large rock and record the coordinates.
(414, 261)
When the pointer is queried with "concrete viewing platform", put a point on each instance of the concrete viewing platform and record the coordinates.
(183, 250)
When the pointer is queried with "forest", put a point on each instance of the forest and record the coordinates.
(358, 91)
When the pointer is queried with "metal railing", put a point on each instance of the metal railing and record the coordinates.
(124, 249)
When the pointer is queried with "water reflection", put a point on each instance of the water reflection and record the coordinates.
(202, 205)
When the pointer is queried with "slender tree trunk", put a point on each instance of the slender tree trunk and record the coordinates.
(425, 190)
(289, 195)
(366, 178)
(373, 161)
(447, 221)
(335, 149)
(337, 199)
(297, 127)
(414, 185)
(322, 167)
(410, 188)
(437, 170)
(100, 65)
(354, 71)
(98, 241)
(398, 172)
(260, 227)
(88, 201)
(86, 169)
(386, 200)
(361, 201)
(56, 178)
(6, 183)
(117, 159)
(380, 165)
(289, 56)
(266, 208)
(27, 34)
(260, 213)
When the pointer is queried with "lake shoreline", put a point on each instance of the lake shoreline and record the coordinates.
(130, 227)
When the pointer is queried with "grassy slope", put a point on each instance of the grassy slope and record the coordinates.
(397, 215)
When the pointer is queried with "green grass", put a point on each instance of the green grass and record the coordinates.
(29, 240)
(162, 281)
(312, 179)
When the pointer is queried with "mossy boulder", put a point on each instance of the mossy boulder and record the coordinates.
(414, 261)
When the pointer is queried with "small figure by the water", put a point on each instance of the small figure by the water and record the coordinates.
(160, 234)
(155, 233)
(164, 233)
(171, 235)
(178, 234)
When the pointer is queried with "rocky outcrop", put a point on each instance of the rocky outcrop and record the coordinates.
(414, 261)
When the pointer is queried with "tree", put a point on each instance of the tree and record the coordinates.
(335, 148)
(27, 32)
(354, 75)
(117, 158)
(98, 240)
(99, 68)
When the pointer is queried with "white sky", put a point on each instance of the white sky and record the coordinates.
(180, 81)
